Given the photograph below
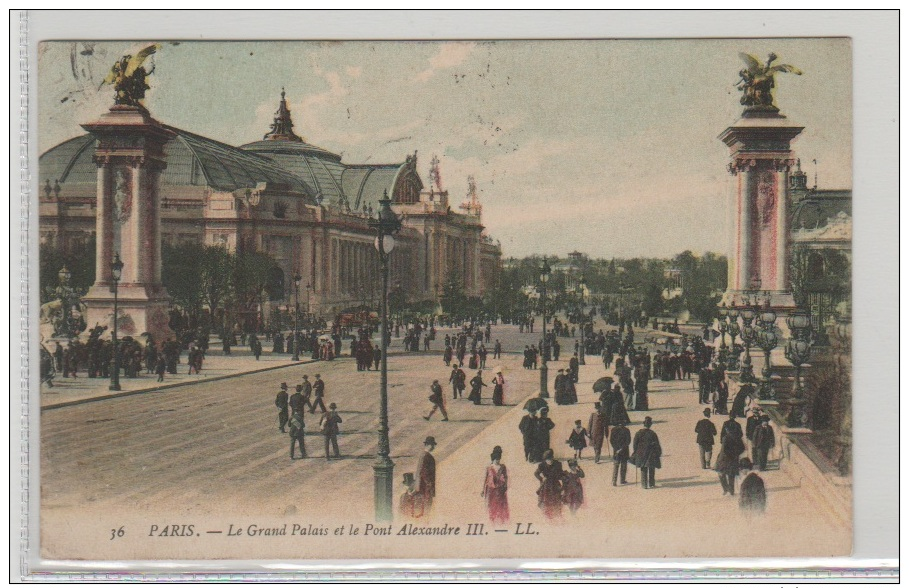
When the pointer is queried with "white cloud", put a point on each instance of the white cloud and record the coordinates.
(449, 55)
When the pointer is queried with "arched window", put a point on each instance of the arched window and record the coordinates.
(816, 266)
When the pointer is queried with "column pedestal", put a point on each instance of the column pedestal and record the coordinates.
(130, 159)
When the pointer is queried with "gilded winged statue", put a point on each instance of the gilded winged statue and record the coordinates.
(128, 77)
(757, 81)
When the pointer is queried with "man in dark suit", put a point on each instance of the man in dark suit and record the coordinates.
(329, 425)
(306, 391)
(438, 401)
(763, 442)
(281, 401)
(620, 439)
(730, 426)
(296, 400)
(573, 368)
(457, 379)
(318, 390)
(705, 431)
(426, 473)
(647, 453)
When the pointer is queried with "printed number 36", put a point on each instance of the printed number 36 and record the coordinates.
(114, 533)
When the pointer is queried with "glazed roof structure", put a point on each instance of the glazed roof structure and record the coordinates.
(192, 160)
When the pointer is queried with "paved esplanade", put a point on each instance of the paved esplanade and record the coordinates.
(210, 454)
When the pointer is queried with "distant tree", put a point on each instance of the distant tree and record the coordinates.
(252, 272)
(181, 268)
(216, 277)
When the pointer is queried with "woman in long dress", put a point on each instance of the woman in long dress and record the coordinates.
(495, 488)
(498, 392)
(572, 488)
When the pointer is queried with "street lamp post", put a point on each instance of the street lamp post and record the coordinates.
(767, 341)
(582, 348)
(798, 352)
(747, 334)
(116, 270)
(65, 293)
(723, 326)
(386, 225)
(297, 280)
(734, 331)
(545, 271)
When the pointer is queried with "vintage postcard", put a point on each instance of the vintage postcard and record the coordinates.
(444, 300)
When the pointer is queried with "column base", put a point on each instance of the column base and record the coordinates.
(140, 310)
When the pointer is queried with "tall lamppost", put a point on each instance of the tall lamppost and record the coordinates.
(767, 341)
(66, 330)
(798, 352)
(297, 280)
(308, 309)
(723, 325)
(583, 323)
(734, 331)
(545, 271)
(116, 270)
(748, 334)
(386, 225)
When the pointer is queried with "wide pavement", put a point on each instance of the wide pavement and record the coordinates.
(210, 454)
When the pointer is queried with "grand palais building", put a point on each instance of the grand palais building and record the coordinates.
(295, 201)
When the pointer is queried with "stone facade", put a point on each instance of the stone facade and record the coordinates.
(285, 197)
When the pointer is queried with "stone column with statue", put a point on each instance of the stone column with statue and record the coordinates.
(130, 159)
(760, 160)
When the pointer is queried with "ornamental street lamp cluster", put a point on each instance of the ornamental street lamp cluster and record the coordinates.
(798, 352)
(386, 223)
(748, 335)
(545, 272)
(767, 340)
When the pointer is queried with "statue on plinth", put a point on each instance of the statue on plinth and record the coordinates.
(128, 77)
(757, 81)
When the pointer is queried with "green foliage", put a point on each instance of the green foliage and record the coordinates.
(181, 267)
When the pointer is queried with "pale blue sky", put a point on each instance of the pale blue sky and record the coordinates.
(608, 147)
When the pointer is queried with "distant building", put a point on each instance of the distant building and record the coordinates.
(294, 200)
(821, 233)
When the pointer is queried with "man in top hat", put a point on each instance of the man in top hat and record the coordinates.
(457, 379)
(281, 401)
(318, 390)
(751, 425)
(763, 442)
(620, 439)
(426, 473)
(329, 425)
(527, 427)
(598, 428)
(705, 431)
(730, 426)
(411, 504)
(646, 454)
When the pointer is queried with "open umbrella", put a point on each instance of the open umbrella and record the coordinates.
(535, 404)
(602, 384)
